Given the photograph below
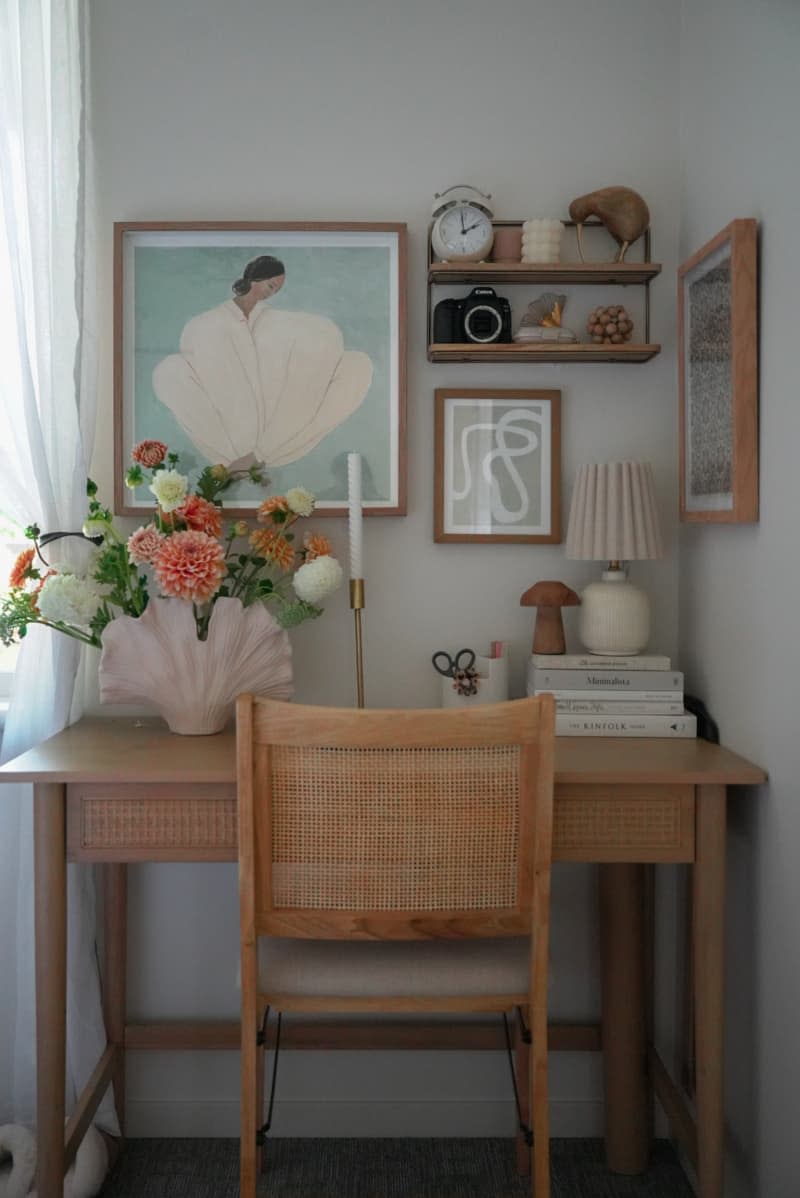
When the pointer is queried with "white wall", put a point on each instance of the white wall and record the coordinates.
(361, 110)
(740, 153)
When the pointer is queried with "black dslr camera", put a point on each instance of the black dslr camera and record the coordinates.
(483, 316)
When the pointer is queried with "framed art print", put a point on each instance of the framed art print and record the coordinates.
(497, 465)
(277, 343)
(718, 378)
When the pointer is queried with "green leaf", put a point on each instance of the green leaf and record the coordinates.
(292, 614)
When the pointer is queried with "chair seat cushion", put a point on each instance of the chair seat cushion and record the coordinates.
(401, 968)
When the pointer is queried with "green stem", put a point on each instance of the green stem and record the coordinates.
(85, 638)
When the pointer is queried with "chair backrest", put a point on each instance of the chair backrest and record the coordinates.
(401, 824)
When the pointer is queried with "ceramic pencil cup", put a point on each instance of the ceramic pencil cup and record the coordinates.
(492, 683)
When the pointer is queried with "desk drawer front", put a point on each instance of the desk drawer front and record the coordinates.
(152, 823)
(623, 823)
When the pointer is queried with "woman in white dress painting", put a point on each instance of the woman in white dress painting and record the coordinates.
(253, 382)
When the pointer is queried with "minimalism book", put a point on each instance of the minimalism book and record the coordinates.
(608, 680)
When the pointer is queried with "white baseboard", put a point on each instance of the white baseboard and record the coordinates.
(359, 1119)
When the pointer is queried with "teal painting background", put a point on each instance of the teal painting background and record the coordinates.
(349, 284)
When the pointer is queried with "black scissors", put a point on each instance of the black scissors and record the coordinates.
(463, 660)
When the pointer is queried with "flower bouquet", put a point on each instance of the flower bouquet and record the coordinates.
(188, 611)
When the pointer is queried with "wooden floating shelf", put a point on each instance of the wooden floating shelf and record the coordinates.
(622, 273)
(546, 352)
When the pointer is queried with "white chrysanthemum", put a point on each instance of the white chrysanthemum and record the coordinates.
(300, 501)
(318, 579)
(169, 488)
(67, 599)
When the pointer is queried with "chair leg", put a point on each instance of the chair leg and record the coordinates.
(248, 1113)
(261, 1045)
(522, 1053)
(540, 1176)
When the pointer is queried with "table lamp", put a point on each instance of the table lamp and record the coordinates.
(613, 518)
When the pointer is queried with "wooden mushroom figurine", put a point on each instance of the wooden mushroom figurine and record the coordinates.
(548, 598)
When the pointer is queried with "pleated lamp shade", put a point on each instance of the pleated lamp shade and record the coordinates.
(613, 518)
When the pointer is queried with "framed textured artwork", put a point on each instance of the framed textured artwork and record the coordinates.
(718, 378)
(497, 465)
(283, 344)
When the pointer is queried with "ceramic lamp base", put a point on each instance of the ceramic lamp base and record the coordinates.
(614, 616)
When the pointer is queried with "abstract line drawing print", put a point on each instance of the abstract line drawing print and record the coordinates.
(499, 470)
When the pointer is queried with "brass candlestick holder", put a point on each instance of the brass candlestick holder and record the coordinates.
(357, 604)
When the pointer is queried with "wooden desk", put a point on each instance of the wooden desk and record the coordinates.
(125, 790)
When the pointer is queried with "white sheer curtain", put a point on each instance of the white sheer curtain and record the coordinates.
(47, 412)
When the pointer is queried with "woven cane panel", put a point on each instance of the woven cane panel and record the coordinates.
(179, 823)
(624, 822)
(395, 829)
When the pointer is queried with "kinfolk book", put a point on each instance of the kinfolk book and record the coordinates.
(636, 725)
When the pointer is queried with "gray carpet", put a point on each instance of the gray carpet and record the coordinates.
(376, 1168)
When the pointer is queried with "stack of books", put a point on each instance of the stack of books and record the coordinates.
(612, 696)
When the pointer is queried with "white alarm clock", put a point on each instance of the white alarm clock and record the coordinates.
(462, 224)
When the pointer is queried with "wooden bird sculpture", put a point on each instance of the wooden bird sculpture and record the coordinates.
(622, 210)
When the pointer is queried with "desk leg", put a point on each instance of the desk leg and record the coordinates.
(115, 975)
(624, 1045)
(50, 914)
(709, 982)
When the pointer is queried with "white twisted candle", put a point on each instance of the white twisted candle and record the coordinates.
(354, 512)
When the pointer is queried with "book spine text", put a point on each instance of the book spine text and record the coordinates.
(644, 725)
(584, 661)
(616, 707)
(616, 680)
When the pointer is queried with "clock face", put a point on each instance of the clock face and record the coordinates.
(463, 232)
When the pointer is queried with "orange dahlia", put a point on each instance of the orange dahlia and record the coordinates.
(316, 545)
(149, 453)
(201, 515)
(274, 547)
(189, 565)
(144, 544)
(276, 504)
(19, 571)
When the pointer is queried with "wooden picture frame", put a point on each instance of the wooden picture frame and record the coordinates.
(309, 367)
(718, 378)
(497, 474)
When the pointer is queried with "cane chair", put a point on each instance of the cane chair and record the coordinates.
(395, 861)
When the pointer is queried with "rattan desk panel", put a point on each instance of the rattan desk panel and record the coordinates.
(623, 823)
(179, 823)
(151, 823)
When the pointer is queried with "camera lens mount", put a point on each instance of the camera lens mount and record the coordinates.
(482, 324)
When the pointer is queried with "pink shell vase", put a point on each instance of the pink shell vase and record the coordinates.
(157, 659)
